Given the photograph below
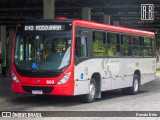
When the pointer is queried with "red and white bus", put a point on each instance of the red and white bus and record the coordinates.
(76, 57)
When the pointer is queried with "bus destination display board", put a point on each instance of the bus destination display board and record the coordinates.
(43, 27)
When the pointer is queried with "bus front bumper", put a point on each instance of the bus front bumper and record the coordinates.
(66, 89)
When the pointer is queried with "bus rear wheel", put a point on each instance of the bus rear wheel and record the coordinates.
(90, 97)
(135, 86)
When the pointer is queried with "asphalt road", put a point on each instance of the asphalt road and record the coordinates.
(147, 100)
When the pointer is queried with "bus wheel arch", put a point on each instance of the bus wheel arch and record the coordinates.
(94, 85)
(134, 89)
(137, 72)
(97, 77)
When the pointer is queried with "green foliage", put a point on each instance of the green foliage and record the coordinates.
(125, 48)
(158, 43)
(158, 40)
(158, 70)
(111, 49)
(98, 45)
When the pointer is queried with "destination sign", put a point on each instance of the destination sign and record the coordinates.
(43, 27)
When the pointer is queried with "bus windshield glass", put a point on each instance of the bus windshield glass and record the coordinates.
(42, 52)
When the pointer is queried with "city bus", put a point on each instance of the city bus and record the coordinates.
(78, 57)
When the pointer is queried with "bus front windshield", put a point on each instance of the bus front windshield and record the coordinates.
(42, 52)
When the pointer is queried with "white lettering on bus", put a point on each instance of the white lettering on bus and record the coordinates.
(29, 28)
(48, 27)
(42, 27)
(49, 81)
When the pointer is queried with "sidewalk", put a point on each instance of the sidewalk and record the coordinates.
(5, 89)
(5, 83)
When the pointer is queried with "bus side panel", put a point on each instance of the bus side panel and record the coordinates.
(81, 87)
(127, 81)
(115, 72)
(83, 74)
(148, 69)
(147, 78)
(106, 84)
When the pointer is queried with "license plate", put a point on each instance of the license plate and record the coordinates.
(37, 92)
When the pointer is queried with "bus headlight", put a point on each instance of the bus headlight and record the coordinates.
(64, 79)
(14, 77)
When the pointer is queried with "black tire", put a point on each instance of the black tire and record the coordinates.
(90, 97)
(135, 85)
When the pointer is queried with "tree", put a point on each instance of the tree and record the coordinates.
(158, 44)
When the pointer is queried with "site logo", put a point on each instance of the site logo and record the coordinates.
(6, 114)
(147, 11)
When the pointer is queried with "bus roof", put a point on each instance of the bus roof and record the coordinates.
(37, 21)
(94, 25)
(90, 24)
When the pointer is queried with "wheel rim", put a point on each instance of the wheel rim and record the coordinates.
(136, 85)
(92, 90)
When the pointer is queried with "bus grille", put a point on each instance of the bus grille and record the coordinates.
(44, 89)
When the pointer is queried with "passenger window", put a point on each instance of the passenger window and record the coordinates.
(152, 47)
(81, 49)
(99, 43)
(113, 41)
(137, 46)
(148, 49)
(126, 45)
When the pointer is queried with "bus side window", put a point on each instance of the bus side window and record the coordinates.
(113, 44)
(77, 54)
(141, 46)
(152, 47)
(84, 47)
(136, 46)
(118, 45)
(81, 49)
(130, 39)
(147, 50)
(125, 44)
(99, 43)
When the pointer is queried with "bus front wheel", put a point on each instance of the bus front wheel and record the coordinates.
(90, 97)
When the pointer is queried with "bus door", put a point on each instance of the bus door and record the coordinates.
(82, 54)
(82, 44)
